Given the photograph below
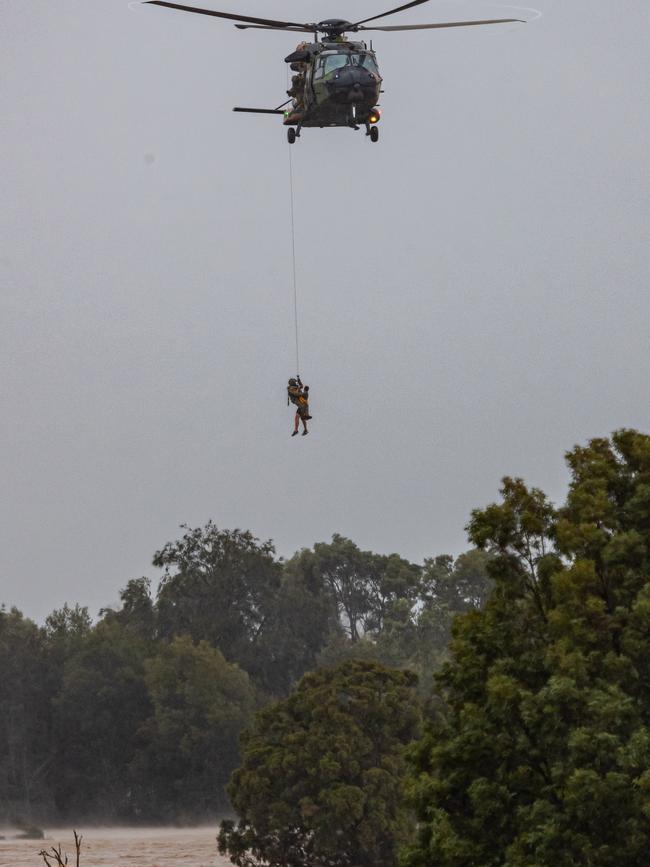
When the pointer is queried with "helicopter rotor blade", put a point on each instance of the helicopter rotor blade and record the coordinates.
(265, 21)
(391, 11)
(280, 29)
(445, 24)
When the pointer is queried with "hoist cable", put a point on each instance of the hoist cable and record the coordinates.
(293, 259)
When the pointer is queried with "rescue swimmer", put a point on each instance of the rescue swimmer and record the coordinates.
(298, 395)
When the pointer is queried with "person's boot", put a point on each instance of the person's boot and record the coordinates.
(295, 433)
(305, 432)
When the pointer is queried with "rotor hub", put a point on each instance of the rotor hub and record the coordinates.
(334, 27)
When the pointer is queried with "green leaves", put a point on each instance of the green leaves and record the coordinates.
(219, 586)
(27, 679)
(540, 754)
(200, 705)
(322, 772)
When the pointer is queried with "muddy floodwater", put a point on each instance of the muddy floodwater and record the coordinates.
(122, 847)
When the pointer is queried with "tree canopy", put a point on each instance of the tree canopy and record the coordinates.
(540, 748)
(531, 651)
(321, 775)
(136, 717)
(200, 704)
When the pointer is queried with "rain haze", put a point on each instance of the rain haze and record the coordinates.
(472, 289)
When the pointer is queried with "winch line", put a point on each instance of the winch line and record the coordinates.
(293, 259)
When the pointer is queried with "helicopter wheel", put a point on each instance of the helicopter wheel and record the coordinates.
(374, 133)
(291, 135)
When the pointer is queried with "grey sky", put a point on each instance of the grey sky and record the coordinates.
(472, 289)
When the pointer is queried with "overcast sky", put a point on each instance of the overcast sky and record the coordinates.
(473, 289)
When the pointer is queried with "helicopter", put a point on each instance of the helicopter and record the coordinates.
(337, 82)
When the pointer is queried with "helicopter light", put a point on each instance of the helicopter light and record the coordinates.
(374, 116)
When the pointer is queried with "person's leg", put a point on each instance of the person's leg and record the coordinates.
(296, 422)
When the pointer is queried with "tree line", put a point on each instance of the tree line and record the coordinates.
(535, 750)
(137, 716)
(491, 710)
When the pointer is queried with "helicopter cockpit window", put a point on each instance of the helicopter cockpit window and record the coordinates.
(327, 64)
(332, 62)
(367, 61)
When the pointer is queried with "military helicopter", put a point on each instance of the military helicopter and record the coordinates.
(337, 81)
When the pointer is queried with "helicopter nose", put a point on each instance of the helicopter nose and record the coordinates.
(355, 94)
(353, 85)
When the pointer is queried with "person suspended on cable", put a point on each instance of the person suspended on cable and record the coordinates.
(298, 395)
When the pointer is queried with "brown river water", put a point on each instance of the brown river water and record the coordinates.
(122, 847)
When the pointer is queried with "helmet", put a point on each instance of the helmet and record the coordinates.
(292, 382)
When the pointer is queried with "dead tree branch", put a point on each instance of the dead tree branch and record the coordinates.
(55, 857)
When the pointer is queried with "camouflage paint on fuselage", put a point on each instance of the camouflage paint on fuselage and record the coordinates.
(342, 84)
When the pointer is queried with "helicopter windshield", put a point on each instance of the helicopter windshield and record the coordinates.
(332, 62)
(366, 60)
(329, 63)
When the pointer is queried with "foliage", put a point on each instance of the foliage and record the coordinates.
(361, 584)
(99, 708)
(133, 718)
(300, 621)
(449, 587)
(217, 587)
(320, 782)
(541, 752)
(200, 705)
(67, 627)
(227, 588)
(26, 685)
(138, 612)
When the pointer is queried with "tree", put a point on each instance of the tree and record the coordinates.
(138, 612)
(301, 619)
(67, 627)
(322, 770)
(392, 611)
(200, 705)
(27, 685)
(450, 587)
(99, 709)
(219, 586)
(362, 585)
(457, 585)
(227, 588)
(540, 754)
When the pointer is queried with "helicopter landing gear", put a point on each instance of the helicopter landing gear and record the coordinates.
(293, 134)
(373, 132)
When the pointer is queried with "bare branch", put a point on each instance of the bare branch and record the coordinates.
(55, 857)
(77, 844)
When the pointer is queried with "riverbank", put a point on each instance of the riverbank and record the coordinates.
(123, 847)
